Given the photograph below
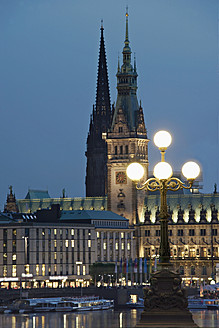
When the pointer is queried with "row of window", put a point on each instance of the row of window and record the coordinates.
(192, 271)
(185, 252)
(113, 234)
(116, 246)
(42, 232)
(181, 232)
(120, 150)
(80, 270)
(110, 223)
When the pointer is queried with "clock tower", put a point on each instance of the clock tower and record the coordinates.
(126, 141)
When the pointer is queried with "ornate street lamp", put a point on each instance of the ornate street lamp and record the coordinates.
(165, 301)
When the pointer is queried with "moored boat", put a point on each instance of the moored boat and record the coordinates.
(59, 304)
(203, 304)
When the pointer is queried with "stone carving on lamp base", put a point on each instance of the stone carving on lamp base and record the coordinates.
(165, 303)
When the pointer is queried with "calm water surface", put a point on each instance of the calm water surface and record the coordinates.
(96, 319)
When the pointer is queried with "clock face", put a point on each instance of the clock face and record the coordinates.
(121, 177)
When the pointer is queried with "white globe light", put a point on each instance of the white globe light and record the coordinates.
(135, 171)
(163, 170)
(162, 139)
(190, 170)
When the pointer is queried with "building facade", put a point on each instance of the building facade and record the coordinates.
(56, 248)
(193, 234)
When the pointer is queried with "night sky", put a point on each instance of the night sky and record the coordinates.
(48, 70)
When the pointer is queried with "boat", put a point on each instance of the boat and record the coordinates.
(95, 304)
(138, 304)
(203, 304)
(59, 304)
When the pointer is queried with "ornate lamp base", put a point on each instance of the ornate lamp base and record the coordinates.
(165, 303)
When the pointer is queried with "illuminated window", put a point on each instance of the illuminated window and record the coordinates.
(203, 252)
(104, 245)
(37, 269)
(72, 232)
(5, 255)
(43, 269)
(78, 270)
(14, 232)
(98, 234)
(89, 243)
(60, 232)
(192, 252)
(122, 245)
(128, 246)
(117, 246)
(14, 257)
(14, 270)
(27, 269)
(66, 243)
(55, 232)
(55, 243)
(55, 256)
(72, 243)
(84, 270)
(122, 234)
(5, 271)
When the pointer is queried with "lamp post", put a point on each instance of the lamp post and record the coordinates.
(165, 300)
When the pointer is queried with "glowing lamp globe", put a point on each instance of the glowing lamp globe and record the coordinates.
(191, 170)
(135, 171)
(163, 170)
(162, 139)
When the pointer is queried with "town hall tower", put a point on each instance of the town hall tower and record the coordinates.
(126, 141)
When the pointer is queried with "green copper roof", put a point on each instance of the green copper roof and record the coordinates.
(66, 204)
(94, 215)
(37, 194)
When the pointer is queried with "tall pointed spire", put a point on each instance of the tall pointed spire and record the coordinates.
(127, 29)
(127, 86)
(103, 107)
(101, 120)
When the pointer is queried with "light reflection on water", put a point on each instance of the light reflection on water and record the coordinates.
(93, 319)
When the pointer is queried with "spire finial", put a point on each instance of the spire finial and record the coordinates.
(101, 24)
(126, 31)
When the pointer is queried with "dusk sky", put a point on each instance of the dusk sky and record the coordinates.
(48, 70)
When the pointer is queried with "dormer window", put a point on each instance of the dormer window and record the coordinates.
(120, 129)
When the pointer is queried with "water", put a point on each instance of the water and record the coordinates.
(95, 319)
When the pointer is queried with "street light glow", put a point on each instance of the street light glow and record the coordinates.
(190, 170)
(162, 139)
(135, 171)
(163, 170)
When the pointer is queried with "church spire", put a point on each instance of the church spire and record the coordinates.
(103, 107)
(96, 153)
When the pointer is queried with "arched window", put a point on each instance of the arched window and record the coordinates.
(115, 150)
